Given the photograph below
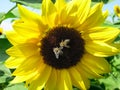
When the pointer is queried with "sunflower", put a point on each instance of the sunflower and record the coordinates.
(62, 47)
(117, 10)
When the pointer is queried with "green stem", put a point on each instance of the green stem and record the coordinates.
(3, 17)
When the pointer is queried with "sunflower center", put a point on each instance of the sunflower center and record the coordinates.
(62, 47)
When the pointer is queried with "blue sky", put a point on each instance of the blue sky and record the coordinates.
(6, 5)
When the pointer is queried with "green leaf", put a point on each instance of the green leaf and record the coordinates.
(16, 87)
(2, 16)
(111, 83)
(9, 15)
(104, 1)
(4, 45)
(95, 87)
(1, 73)
(6, 71)
(32, 3)
(107, 23)
(15, 12)
(116, 60)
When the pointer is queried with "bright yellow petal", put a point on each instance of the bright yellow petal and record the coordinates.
(63, 80)
(84, 76)
(77, 79)
(21, 78)
(68, 15)
(101, 49)
(40, 82)
(84, 7)
(27, 30)
(14, 51)
(22, 50)
(74, 13)
(59, 4)
(30, 65)
(29, 49)
(29, 75)
(40, 68)
(89, 72)
(97, 64)
(28, 70)
(28, 16)
(13, 62)
(95, 17)
(101, 34)
(15, 39)
(51, 83)
(30, 20)
(48, 12)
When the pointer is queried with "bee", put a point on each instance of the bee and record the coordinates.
(64, 43)
(58, 50)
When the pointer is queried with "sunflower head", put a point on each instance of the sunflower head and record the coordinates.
(64, 46)
(117, 10)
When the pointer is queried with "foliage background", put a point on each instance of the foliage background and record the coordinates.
(110, 81)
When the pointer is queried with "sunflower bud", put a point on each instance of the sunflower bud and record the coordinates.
(117, 10)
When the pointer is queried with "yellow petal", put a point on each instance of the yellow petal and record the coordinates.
(27, 15)
(59, 4)
(48, 12)
(31, 20)
(84, 76)
(40, 82)
(27, 30)
(39, 68)
(31, 76)
(21, 50)
(88, 72)
(77, 79)
(24, 75)
(75, 10)
(96, 64)
(84, 7)
(63, 81)
(14, 51)
(15, 39)
(101, 34)
(29, 65)
(68, 14)
(13, 62)
(95, 18)
(51, 83)
(28, 49)
(29, 72)
(101, 49)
